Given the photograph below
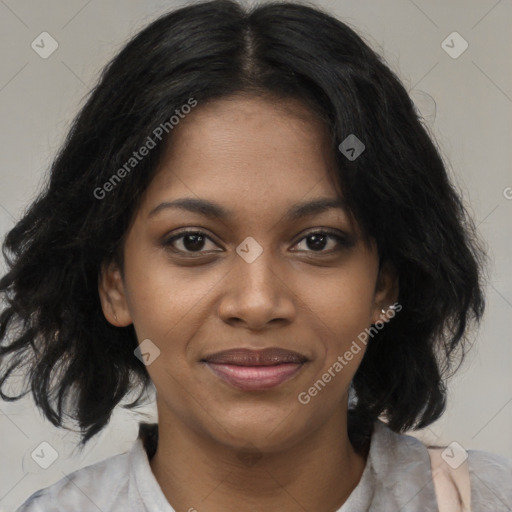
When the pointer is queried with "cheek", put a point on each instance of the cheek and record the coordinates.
(343, 303)
(165, 300)
(341, 311)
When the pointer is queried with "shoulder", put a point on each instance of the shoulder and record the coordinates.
(398, 473)
(403, 474)
(84, 488)
(491, 481)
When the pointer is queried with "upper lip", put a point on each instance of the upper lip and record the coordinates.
(264, 357)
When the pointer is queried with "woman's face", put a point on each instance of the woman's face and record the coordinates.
(255, 280)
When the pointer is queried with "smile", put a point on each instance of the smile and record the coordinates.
(255, 378)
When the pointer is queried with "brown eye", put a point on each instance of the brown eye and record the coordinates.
(317, 241)
(188, 242)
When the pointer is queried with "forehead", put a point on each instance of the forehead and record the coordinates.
(246, 151)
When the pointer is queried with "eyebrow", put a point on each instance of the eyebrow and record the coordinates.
(211, 209)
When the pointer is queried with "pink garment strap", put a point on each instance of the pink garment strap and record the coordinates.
(452, 486)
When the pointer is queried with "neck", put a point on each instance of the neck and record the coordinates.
(316, 473)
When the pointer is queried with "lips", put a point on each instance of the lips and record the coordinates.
(265, 357)
(255, 370)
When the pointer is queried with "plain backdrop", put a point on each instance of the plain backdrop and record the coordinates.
(466, 100)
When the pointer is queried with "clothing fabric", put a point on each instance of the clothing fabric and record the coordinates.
(397, 477)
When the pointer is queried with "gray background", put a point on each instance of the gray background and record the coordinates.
(470, 118)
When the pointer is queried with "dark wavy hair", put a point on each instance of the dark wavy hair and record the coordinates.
(52, 326)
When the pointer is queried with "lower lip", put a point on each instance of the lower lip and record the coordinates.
(255, 378)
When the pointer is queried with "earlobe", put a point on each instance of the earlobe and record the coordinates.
(112, 295)
(386, 291)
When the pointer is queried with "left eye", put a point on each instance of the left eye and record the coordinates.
(193, 242)
(318, 240)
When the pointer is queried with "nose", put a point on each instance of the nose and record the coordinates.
(256, 294)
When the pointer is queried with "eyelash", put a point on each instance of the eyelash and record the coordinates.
(343, 242)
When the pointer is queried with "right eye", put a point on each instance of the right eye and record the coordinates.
(188, 242)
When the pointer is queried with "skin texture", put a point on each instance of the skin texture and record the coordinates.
(256, 157)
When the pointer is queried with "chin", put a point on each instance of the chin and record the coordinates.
(268, 435)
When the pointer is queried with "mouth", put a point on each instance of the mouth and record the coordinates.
(255, 370)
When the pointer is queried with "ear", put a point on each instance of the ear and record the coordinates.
(386, 290)
(112, 295)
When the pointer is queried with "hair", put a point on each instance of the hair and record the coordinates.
(398, 190)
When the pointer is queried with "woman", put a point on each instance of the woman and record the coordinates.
(249, 215)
